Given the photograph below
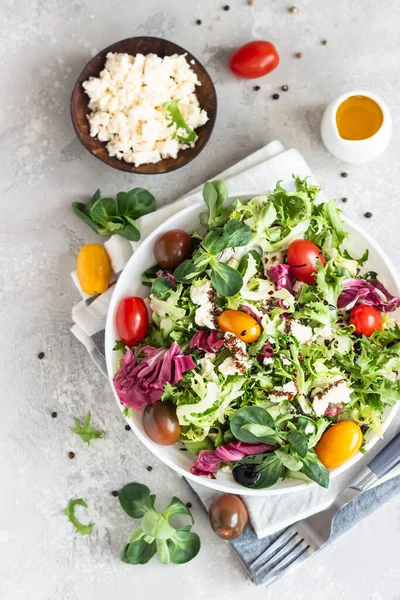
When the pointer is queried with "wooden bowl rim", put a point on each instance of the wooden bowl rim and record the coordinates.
(122, 165)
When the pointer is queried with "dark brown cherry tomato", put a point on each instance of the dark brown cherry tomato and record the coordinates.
(132, 320)
(228, 516)
(302, 257)
(366, 319)
(172, 248)
(161, 423)
(254, 59)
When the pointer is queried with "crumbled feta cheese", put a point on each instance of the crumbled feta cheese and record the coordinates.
(268, 360)
(302, 333)
(228, 367)
(239, 362)
(126, 105)
(204, 296)
(309, 429)
(286, 392)
(336, 392)
(199, 294)
(204, 316)
(269, 259)
(285, 361)
(324, 332)
(297, 287)
(206, 364)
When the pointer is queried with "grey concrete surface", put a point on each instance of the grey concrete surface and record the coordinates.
(43, 168)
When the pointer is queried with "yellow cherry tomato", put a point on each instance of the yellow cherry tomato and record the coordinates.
(241, 324)
(339, 443)
(93, 268)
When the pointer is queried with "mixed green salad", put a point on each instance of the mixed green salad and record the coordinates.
(263, 347)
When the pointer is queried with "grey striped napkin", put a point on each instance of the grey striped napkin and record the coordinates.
(268, 516)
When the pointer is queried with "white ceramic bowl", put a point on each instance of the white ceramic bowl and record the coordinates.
(129, 284)
(355, 151)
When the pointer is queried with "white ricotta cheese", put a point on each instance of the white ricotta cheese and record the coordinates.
(336, 392)
(126, 105)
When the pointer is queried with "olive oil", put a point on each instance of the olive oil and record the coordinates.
(358, 118)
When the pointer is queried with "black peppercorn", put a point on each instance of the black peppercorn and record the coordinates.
(275, 96)
(127, 427)
(54, 414)
(189, 504)
(368, 215)
(198, 22)
(299, 55)
(40, 355)
(284, 88)
(71, 454)
(149, 468)
(226, 7)
(344, 199)
(343, 174)
(114, 493)
(257, 88)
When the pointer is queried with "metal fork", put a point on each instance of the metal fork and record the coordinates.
(302, 539)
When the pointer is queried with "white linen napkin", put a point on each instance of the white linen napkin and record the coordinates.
(258, 172)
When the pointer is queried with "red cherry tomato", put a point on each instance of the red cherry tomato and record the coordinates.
(132, 320)
(254, 59)
(366, 319)
(302, 257)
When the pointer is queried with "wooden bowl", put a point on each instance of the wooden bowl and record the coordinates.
(143, 45)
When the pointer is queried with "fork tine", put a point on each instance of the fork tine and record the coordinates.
(282, 541)
(300, 553)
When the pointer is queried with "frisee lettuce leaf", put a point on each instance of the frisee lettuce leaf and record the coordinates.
(85, 431)
(70, 513)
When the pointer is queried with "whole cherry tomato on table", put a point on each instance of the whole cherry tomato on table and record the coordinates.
(93, 268)
(161, 423)
(339, 443)
(172, 248)
(228, 516)
(302, 257)
(241, 324)
(366, 319)
(254, 59)
(132, 320)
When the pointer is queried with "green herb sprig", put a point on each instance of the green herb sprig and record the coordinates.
(173, 114)
(109, 216)
(156, 534)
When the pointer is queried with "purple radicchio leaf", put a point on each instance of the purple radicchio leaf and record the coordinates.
(206, 341)
(168, 276)
(143, 383)
(208, 461)
(372, 292)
